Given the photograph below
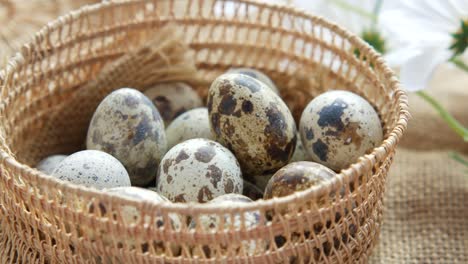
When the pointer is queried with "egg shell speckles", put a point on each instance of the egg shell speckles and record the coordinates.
(173, 99)
(198, 170)
(92, 168)
(297, 176)
(191, 124)
(338, 127)
(214, 222)
(257, 75)
(128, 126)
(131, 215)
(252, 121)
(48, 164)
(136, 193)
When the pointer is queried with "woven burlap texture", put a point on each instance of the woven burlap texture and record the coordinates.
(426, 209)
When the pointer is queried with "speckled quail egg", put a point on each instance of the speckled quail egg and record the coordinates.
(128, 126)
(252, 191)
(299, 153)
(191, 124)
(338, 127)
(252, 121)
(131, 215)
(48, 164)
(230, 222)
(257, 75)
(198, 170)
(92, 168)
(297, 176)
(173, 99)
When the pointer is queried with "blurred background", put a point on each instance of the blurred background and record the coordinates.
(426, 212)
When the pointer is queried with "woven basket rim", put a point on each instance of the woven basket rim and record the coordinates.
(366, 161)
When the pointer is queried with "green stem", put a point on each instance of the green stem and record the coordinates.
(459, 63)
(451, 121)
(346, 6)
(375, 12)
(457, 157)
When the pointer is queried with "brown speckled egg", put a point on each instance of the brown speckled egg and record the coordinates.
(92, 168)
(128, 126)
(131, 215)
(297, 176)
(299, 153)
(191, 124)
(48, 164)
(338, 127)
(173, 99)
(136, 193)
(198, 170)
(252, 121)
(214, 222)
(257, 75)
(252, 191)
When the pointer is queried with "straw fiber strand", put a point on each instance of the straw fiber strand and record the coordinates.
(18, 24)
(44, 86)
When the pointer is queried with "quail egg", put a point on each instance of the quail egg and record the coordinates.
(257, 75)
(48, 164)
(128, 126)
(131, 215)
(173, 99)
(209, 222)
(297, 176)
(338, 127)
(252, 121)
(191, 124)
(92, 168)
(198, 170)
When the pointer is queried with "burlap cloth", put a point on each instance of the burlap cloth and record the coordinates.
(426, 200)
(426, 212)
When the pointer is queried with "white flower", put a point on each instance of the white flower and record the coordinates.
(358, 16)
(426, 28)
(338, 13)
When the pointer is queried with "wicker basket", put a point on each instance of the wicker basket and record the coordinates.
(44, 220)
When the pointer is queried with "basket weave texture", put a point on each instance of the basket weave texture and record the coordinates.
(46, 220)
(18, 23)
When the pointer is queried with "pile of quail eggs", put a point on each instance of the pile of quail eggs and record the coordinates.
(243, 141)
